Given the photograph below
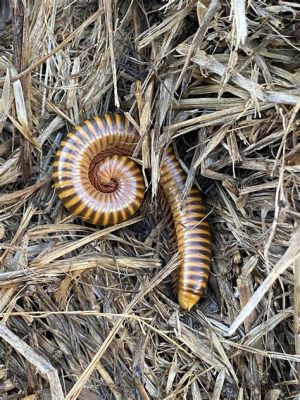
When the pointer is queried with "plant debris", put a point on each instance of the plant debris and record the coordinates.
(88, 312)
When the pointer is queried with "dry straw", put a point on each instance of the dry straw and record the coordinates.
(89, 313)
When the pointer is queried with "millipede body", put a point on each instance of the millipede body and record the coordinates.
(93, 175)
(96, 180)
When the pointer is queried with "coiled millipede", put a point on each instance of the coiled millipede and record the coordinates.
(97, 181)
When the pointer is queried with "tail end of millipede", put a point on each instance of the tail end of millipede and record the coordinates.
(187, 300)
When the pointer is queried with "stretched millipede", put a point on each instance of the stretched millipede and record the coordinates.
(96, 180)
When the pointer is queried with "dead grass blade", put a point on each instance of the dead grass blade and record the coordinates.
(255, 91)
(43, 366)
(286, 261)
